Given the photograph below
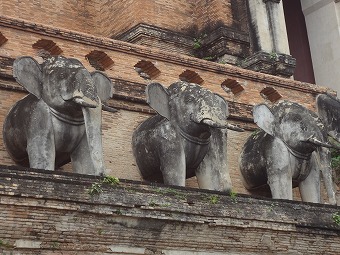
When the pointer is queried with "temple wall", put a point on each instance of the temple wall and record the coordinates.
(53, 213)
(129, 88)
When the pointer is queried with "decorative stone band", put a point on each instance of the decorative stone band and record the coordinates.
(193, 139)
(64, 118)
(214, 44)
(272, 63)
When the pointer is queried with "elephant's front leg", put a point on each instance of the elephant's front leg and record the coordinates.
(213, 171)
(172, 164)
(279, 170)
(81, 158)
(88, 157)
(310, 187)
(40, 139)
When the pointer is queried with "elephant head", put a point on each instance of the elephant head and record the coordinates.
(192, 107)
(291, 150)
(62, 114)
(299, 128)
(328, 108)
(60, 81)
(187, 137)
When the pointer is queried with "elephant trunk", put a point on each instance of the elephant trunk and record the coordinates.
(92, 118)
(85, 93)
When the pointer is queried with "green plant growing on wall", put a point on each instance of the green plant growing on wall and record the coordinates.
(152, 203)
(233, 196)
(336, 218)
(273, 56)
(171, 192)
(4, 244)
(212, 199)
(110, 180)
(55, 245)
(96, 187)
(198, 41)
(209, 58)
(118, 212)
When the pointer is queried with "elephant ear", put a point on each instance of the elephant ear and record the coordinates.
(103, 85)
(264, 118)
(27, 72)
(222, 103)
(158, 98)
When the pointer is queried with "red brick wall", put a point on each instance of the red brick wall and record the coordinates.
(74, 15)
(108, 18)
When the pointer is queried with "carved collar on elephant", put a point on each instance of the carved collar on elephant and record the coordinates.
(64, 118)
(194, 139)
(297, 154)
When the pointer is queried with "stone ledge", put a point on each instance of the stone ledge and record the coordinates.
(271, 63)
(51, 211)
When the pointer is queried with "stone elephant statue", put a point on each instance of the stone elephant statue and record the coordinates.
(187, 137)
(291, 150)
(328, 108)
(60, 120)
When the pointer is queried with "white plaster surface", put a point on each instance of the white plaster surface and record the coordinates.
(127, 249)
(259, 18)
(269, 23)
(27, 244)
(323, 28)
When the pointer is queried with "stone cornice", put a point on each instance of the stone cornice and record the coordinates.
(152, 53)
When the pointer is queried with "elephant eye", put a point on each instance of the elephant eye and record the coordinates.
(303, 126)
(189, 99)
(62, 75)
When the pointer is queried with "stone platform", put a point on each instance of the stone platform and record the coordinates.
(46, 212)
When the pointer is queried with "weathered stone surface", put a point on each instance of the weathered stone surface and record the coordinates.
(55, 210)
(291, 149)
(272, 63)
(188, 137)
(61, 117)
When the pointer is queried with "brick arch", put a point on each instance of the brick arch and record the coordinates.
(232, 86)
(99, 60)
(191, 76)
(147, 70)
(47, 45)
(3, 39)
(271, 94)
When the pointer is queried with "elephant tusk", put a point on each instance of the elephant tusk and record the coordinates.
(86, 102)
(214, 124)
(235, 128)
(315, 141)
(109, 108)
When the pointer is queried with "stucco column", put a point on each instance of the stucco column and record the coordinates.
(270, 39)
(277, 26)
(323, 27)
